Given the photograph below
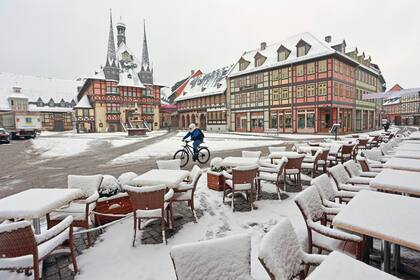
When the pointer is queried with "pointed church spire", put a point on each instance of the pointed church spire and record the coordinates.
(111, 56)
(145, 55)
(111, 70)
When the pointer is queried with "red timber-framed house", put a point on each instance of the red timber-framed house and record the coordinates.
(125, 84)
(203, 101)
(300, 85)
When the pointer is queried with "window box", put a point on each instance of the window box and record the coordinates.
(215, 180)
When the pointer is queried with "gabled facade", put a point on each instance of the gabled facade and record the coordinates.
(122, 87)
(302, 85)
(402, 110)
(203, 101)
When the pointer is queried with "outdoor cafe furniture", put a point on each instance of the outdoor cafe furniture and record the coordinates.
(314, 163)
(273, 173)
(219, 258)
(398, 181)
(168, 177)
(408, 147)
(369, 166)
(392, 218)
(238, 161)
(173, 164)
(414, 136)
(293, 166)
(281, 254)
(251, 154)
(276, 149)
(21, 248)
(354, 169)
(415, 154)
(185, 190)
(345, 182)
(403, 164)
(80, 210)
(35, 203)
(340, 266)
(329, 193)
(345, 153)
(375, 155)
(242, 180)
(150, 203)
(320, 235)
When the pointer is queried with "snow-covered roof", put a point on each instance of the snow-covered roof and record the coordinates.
(392, 101)
(35, 87)
(206, 84)
(83, 103)
(318, 48)
(55, 109)
(130, 79)
(393, 93)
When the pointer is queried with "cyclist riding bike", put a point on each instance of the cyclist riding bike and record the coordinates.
(197, 136)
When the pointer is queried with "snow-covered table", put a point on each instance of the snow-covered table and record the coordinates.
(238, 161)
(388, 217)
(409, 147)
(340, 266)
(307, 149)
(35, 203)
(169, 178)
(414, 136)
(279, 155)
(408, 164)
(405, 182)
(414, 154)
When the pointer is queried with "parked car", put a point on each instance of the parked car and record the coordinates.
(4, 136)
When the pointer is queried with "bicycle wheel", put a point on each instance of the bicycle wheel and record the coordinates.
(203, 155)
(183, 156)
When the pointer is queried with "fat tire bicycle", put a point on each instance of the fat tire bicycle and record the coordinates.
(183, 154)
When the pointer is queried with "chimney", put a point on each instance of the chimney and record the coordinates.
(263, 45)
(328, 39)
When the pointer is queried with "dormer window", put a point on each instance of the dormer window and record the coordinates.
(302, 48)
(243, 64)
(282, 53)
(259, 59)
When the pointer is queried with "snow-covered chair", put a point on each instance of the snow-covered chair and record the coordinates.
(313, 163)
(281, 255)
(21, 249)
(171, 164)
(185, 190)
(276, 149)
(329, 193)
(373, 141)
(333, 153)
(251, 154)
(355, 170)
(150, 203)
(220, 258)
(319, 235)
(369, 166)
(387, 149)
(375, 156)
(273, 173)
(345, 182)
(241, 180)
(81, 209)
(294, 168)
(345, 153)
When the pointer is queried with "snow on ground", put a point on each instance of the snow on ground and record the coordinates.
(215, 142)
(114, 257)
(65, 144)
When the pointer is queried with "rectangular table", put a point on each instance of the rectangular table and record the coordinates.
(35, 203)
(239, 161)
(340, 266)
(168, 177)
(388, 217)
(414, 154)
(408, 147)
(405, 182)
(403, 164)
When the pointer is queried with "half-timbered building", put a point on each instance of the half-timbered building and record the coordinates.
(301, 85)
(123, 86)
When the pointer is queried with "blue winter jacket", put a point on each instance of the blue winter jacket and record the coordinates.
(195, 136)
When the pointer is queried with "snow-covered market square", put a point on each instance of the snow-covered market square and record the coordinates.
(209, 140)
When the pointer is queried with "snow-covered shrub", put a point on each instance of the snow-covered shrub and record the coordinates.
(216, 165)
(126, 178)
(109, 187)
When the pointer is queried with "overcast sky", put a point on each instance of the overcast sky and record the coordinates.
(68, 39)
